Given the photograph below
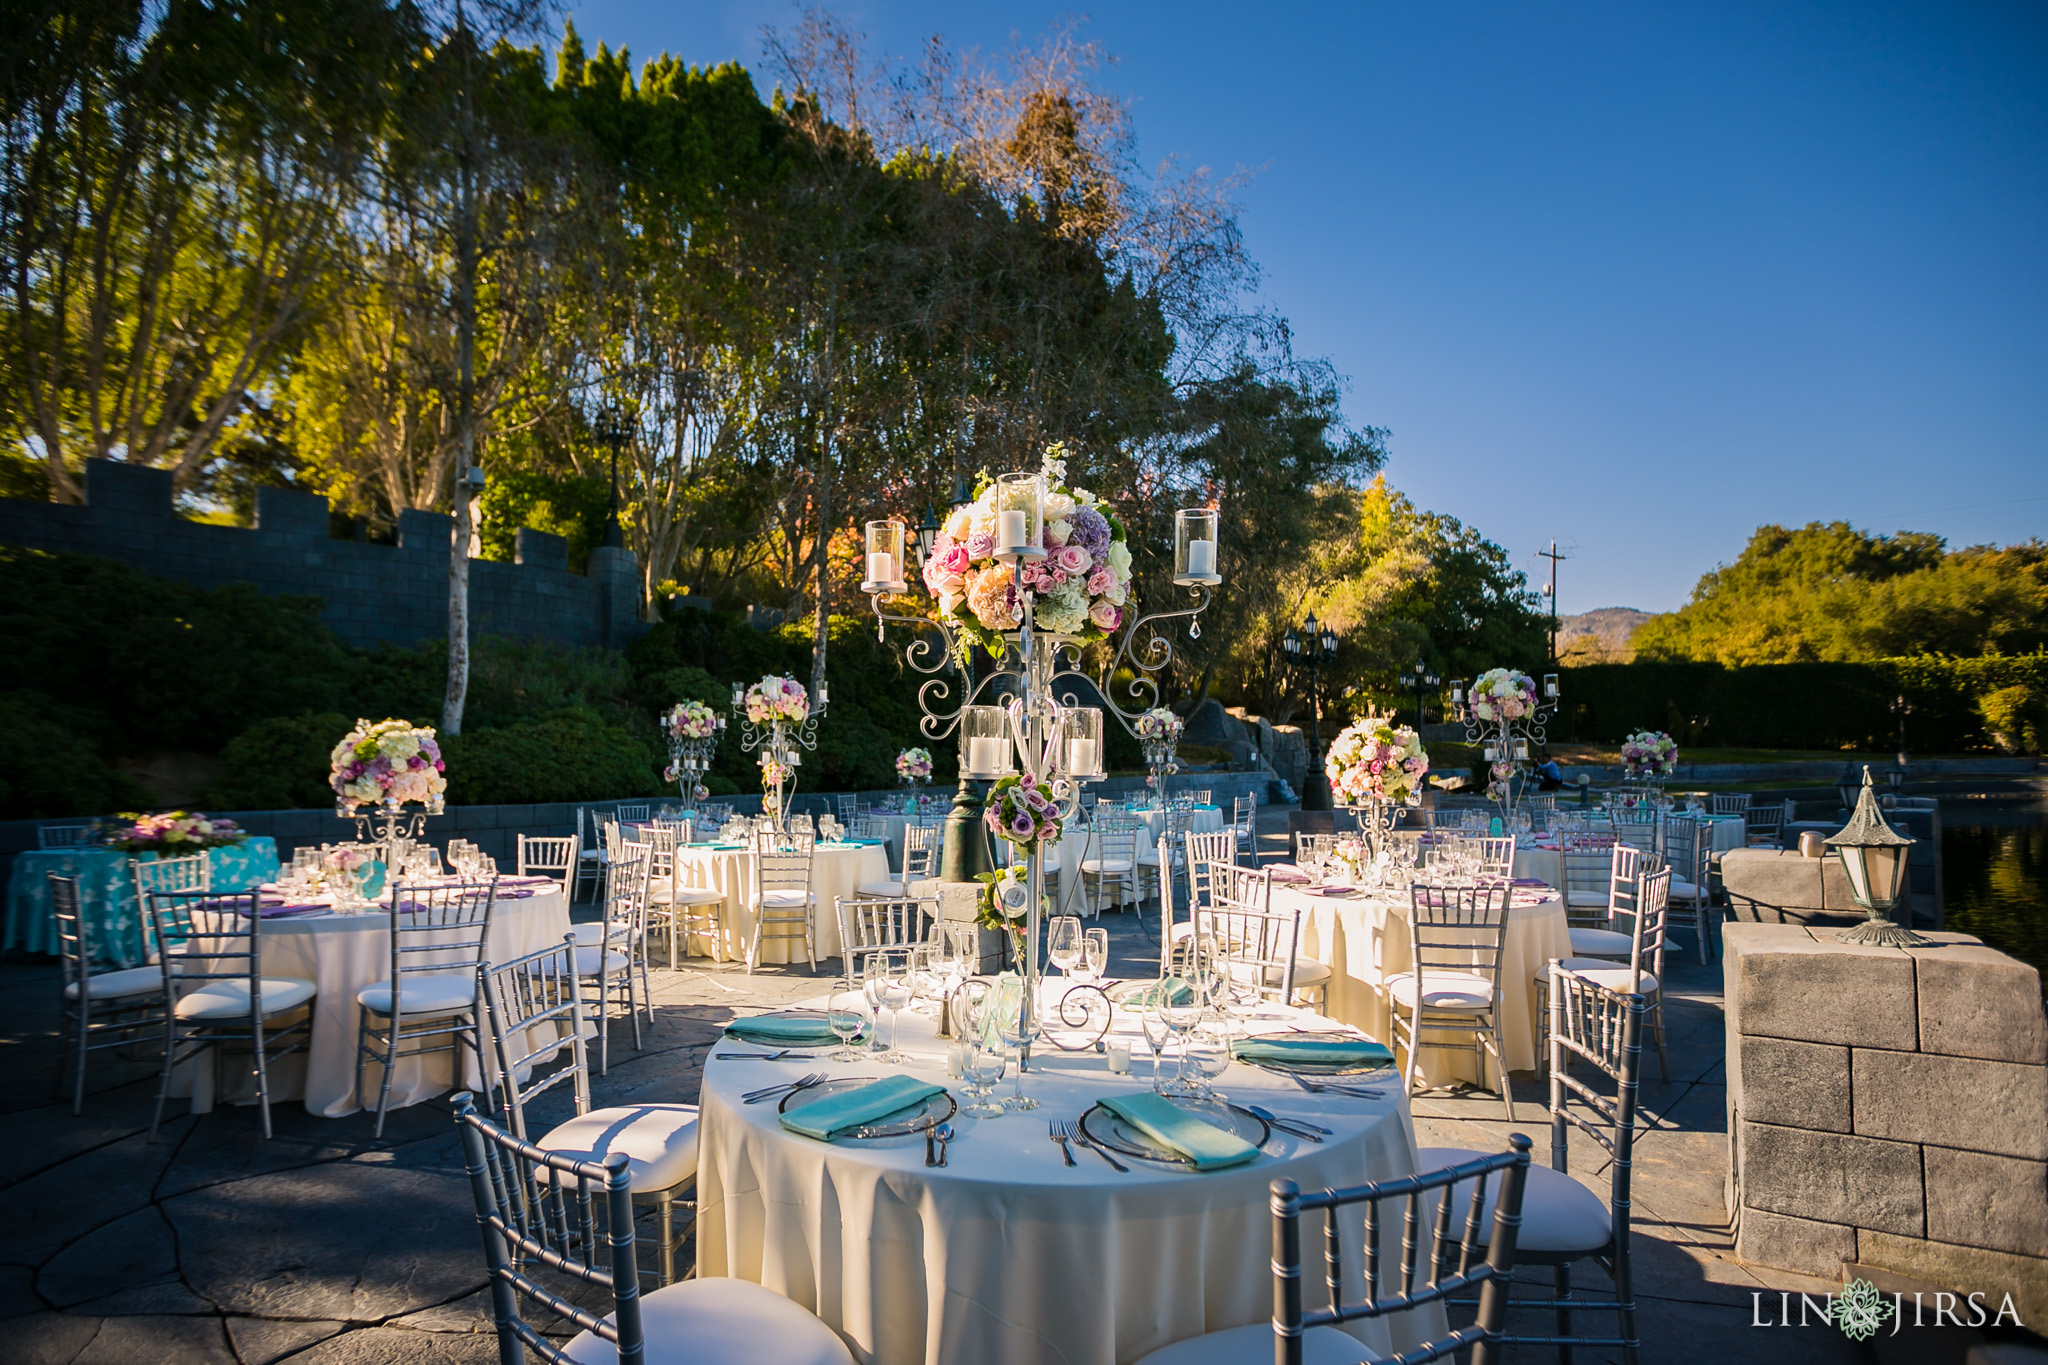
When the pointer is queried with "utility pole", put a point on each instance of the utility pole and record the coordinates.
(1550, 591)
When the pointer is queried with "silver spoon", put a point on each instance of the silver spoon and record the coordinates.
(944, 1133)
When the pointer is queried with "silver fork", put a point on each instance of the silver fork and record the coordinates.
(1074, 1131)
(1357, 1091)
(803, 1082)
(1057, 1131)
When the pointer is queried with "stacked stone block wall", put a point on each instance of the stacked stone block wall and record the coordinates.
(372, 593)
(1889, 1108)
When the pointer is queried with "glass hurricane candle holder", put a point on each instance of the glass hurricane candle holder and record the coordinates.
(1081, 743)
(984, 742)
(1020, 516)
(885, 561)
(1194, 547)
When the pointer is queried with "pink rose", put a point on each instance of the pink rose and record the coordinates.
(1073, 559)
(1104, 615)
(1101, 581)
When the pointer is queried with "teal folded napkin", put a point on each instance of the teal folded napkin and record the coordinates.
(1200, 1141)
(1331, 1051)
(827, 1119)
(785, 1030)
(1167, 991)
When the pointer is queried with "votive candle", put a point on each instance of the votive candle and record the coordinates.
(1201, 557)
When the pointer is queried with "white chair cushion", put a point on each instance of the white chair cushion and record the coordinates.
(1682, 890)
(1096, 867)
(883, 891)
(221, 1000)
(659, 1140)
(1608, 975)
(1149, 858)
(591, 855)
(694, 895)
(129, 981)
(784, 897)
(722, 1322)
(591, 932)
(1309, 972)
(1247, 1345)
(436, 994)
(1558, 1213)
(1443, 991)
(587, 961)
(1586, 899)
(1601, 943)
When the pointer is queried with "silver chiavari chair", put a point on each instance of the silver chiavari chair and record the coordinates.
(1642, 969)
(1766, 823)
(1687, 854)
(1254, 945)
(1496, 856)
(632, 814)
(1244, 827)
(1110, 867)
(99, 1010)
(191, 873)
(920, 850)
(590, 857)
(546, 1218)
(1563, 1222)
(550, 857)
(784, 906)
(1458, 1228)
(869, 924)
(1452, 986)
(1202, 852)
(607, 961)
(1731, 803)
(428, 1002)
(216, 992)
(63, 836)
(534, 1009)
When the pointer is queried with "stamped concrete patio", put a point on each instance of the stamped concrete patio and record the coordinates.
(325, 1245)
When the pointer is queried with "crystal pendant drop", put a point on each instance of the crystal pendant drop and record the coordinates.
(1194, 630)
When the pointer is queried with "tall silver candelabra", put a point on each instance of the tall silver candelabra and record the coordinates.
(390, 825)
(1059, 740)
(1505, 743)
(782, 742)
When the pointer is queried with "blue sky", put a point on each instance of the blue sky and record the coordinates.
(1636, 277)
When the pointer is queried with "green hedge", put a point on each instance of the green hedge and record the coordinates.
(1794, 706)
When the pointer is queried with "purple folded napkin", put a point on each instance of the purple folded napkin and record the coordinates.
(1285, 872)
(514, 893)
(1332, 890)
(525, 881)
(273, 909)
(1528, 881)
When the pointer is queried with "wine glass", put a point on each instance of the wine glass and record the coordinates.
(1182, 1015)
(1014, 1031)
(846, 1011)
(1094, 960)
(1063, 943)
(893, 997)
(1153, 1023)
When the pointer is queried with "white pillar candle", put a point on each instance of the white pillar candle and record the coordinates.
(1011, 530)
(1492, 754)
(1201, 557)
(1080, 756)
(984, 754)
(881, 567)
(1521, 748)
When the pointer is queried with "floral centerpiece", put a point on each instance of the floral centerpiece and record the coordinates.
(172, 833)
(691, 720)
(675, 772)
(1021, 811)
(773, 699)
(1159, 726)
(914, 765)
(389, 763)
(1503, 694)
(774, 772)
(1373, 762)
(1649, 753)
(1080, 588)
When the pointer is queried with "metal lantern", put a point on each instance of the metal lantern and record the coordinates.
(927, 534)
(1848, 784)
(985, 746)
(1873, 857)
(885, 562)
(1194, 547)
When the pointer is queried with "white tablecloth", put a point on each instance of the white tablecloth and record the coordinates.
(1546, 865)
(1365, 941)
(341, 954)
(836, 870)
(1006, 1256)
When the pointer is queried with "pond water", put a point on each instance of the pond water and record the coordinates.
(1994, 874)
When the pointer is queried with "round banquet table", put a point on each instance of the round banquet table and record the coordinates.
(1364, 940)
(836, 870)
(106, 894)
(1005, 1256)
(1201, 820)
(341, 954)
(1546, 865)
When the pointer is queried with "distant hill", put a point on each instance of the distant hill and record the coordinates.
(1599, 636)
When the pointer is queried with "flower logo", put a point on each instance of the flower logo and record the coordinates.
(1859, 1310)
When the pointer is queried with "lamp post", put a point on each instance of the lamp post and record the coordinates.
(612, 428)
(1419, 678)
(1874, 859)
(1311, 650)
(1901, 708)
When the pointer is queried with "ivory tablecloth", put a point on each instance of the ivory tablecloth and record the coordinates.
(1365, 940)
(836, 870)
(341, 954)
(1201, 820)
(1546, 865)
(1006, 1256)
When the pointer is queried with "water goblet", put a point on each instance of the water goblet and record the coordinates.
(1063, 942)
(846, 1012)
(1208, 1048)
(984, 1068)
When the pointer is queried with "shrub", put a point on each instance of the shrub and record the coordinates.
(278, 764)
(66, 775)
(2017, 718)
(572, 755)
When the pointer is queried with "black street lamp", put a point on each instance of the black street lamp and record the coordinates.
(1420, 679)
(927, 534)
(1901, 708)
(612, 428)
(1311, 650)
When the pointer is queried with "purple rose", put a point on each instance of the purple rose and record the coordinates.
(1022, 826)
(981, 545)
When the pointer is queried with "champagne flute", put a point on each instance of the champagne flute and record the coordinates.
(895, 994)
(1153, 1023)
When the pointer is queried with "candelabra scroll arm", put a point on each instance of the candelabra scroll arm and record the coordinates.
(1147, 659)
(920, 648)
(937, 724)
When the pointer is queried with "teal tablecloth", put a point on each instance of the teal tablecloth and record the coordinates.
(106, 895)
